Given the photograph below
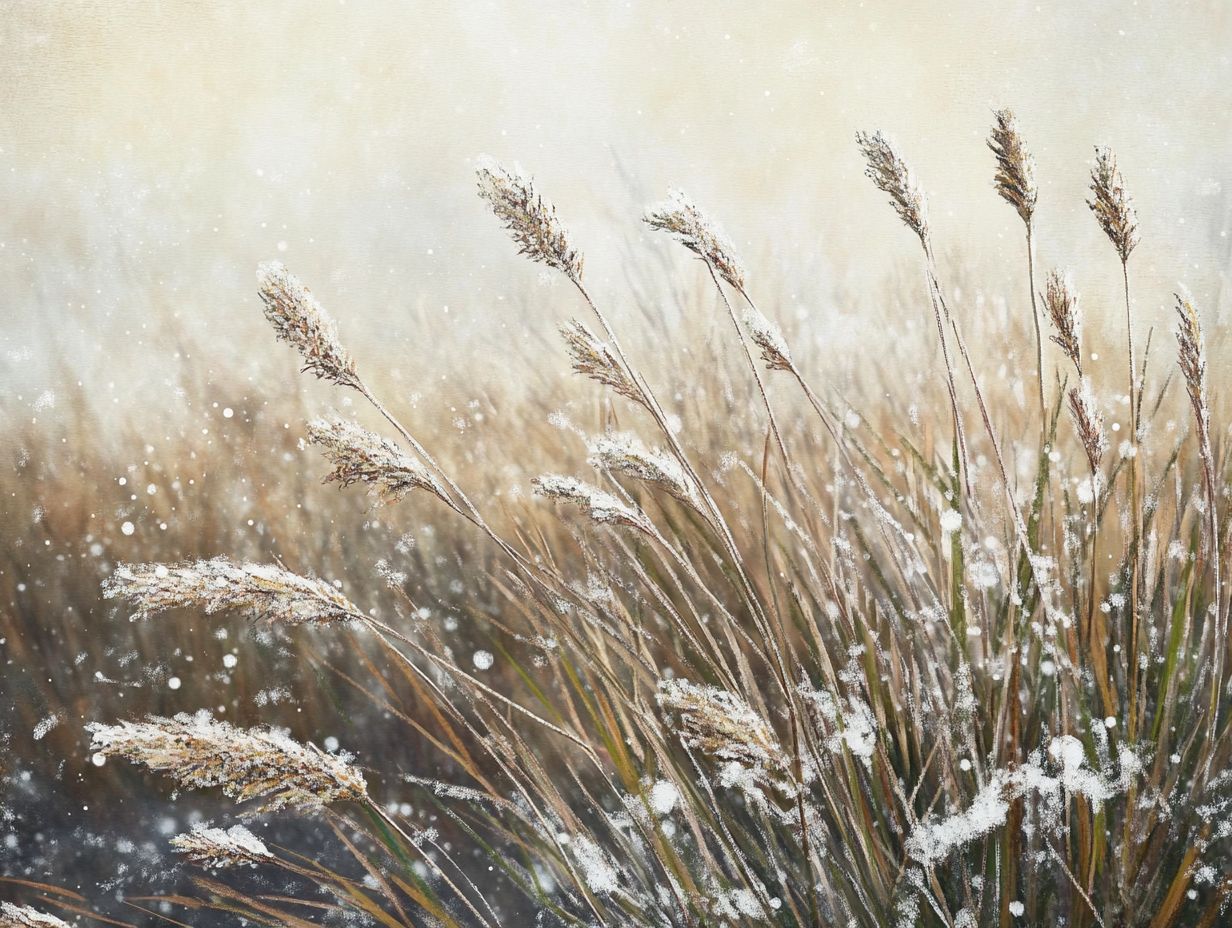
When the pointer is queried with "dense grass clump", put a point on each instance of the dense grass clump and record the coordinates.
(919, 655)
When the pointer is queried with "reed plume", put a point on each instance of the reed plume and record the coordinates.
(680, 218)
(602, 507)
(625, 454)
(594, 359)
(199, 752)
(769, 339)
(891, 175)
(1061, 303)
(1015, 182)
(222, 848)
(722, 726)
(1112, 206)
(1015, 178)
(262, 591)
(1191, 354)
(361, 456)
(21, 916)
(530, 219)
(1089, 424)
(300, 321)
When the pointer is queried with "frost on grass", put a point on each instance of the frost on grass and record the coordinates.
(254, 763)
(597, 868)
(222, 847)
(361, 456)
(20, 916)
(299, 320)
(261, 591)
(601, 506)
(726, 729)
(934, 839)
(680, 218)
(625, 454)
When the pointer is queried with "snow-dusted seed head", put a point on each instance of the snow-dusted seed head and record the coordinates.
(769, 339)
(1089, 423)
(262, 591)
(625, 454)
(199, 752)
(890, 174)
(1191, 353)
(1112, 206)
(20, 916)
(299, 320)
(593, 358)
(1061, 302)
(530, 219)
(722, 726)
(679, 217)
(1015, 179)
(361, 456)
(222, 847)
(601, 506)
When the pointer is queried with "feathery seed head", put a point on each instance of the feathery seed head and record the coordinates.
(222, 847)
(890, 174)
(21, 916)
(722, 726)
(199, 752)
(530, 219)
(1061, 302)
(625, 454)
(593, 358)
(1089, 423)
(1191, 351)
(361, 456)
(262, 591)
(602, 507)
(680, 218)
(1112, 206)
(1015, 178)
(767, 336)
(299, 320)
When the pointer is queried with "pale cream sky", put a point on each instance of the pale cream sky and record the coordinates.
(152, 153)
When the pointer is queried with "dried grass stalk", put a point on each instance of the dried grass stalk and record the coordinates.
(1015, 178)
(262, 591)
(601, 506)
(1061, 302)
(593, 358)
(891, 175)
(680, 218)
(299, 320)
(530, 219)
(255, 763)
(1089, 423)
(1112, 206)
(767, 336)
(1191, 353)
(361, 456)
(625, 454)
(21, 916)
(722, 726)
(222, 847)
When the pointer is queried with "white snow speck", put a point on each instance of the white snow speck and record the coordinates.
(663, 797)
(482, 660)
(128, 528)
